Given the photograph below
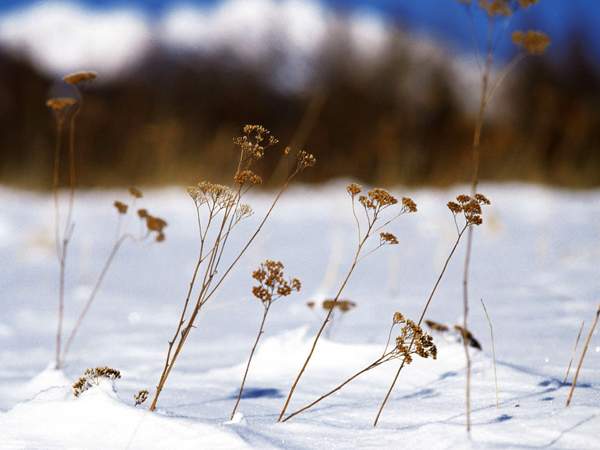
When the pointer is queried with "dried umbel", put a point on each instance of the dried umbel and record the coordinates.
(247, 177)
(140, 397)
(60, 104)
(496, 7)
(343, 306)
(387, 238)
(436, 326)
(216, 196)
(92, 377)
(533, 42)
(135, 192)
(469, 207)
(121, 207)
(253, 143)
(412, 340)
(80, 77)
(272, 283)
(468, 337)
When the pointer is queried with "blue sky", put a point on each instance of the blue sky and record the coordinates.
(443, 19)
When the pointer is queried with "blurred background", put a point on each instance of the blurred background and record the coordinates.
(383, 91)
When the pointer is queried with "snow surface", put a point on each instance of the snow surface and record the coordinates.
(535, 264)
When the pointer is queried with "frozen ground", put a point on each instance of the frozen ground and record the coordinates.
(536, 264)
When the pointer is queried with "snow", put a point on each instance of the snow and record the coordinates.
(535, 264)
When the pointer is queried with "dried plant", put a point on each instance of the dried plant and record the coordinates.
(272, 286)
(223, 209)
(583, 352)
(92, 377)
(141, 397)
(375, 205)
(64, 109)
(410, 340)
(153, 226)
(466, 213)
(530, 42)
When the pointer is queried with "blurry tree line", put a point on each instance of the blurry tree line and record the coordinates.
(399, 120)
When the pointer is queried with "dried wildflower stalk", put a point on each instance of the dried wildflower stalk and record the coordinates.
(531, 42)
(468, 209)
(411, 340)
(92, 377)
(224, 210)
(583, 352)
(374, 206)
(272, 286)
(154, 225)
(574, 351)
(64, 109)
(489, 321)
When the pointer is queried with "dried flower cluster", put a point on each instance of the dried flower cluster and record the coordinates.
(469, 207)
(342, 305)
(254, 141)
(153, 224)
(387, 238)
(141, 397)
(80, 77)
(92, 377)
(503, 8)
(412, 340)
(533, 42)
(272, 283)
(216, 196)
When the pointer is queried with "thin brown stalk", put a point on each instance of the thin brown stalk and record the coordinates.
(425, 308)
(584, 351)
(258, 336)
(574, 351)
(326, 320)
(487, 316)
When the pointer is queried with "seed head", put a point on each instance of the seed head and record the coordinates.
(135, 192)
(387, 238)
(80, 77)
(60, 104)
(534, 42)
(353, 189)
(121, 207)
(409, 205)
